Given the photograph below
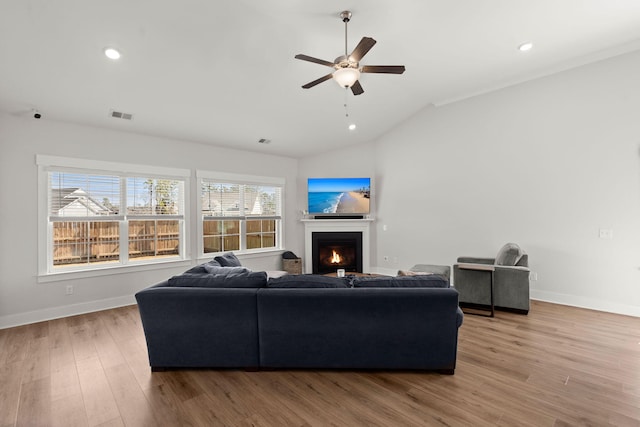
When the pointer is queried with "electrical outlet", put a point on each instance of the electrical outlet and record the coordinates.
(69, 290)
(606, 233)
(385, 258)
(533, 276)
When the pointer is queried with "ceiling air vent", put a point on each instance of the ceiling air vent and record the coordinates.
(264, 141)
(120, 115)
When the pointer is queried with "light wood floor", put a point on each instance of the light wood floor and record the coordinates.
(558, 366)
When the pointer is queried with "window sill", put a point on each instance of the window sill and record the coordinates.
(111, 270)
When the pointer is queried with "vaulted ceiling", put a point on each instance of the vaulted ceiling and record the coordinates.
(224, 73)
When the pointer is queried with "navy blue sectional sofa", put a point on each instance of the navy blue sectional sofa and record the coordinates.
(207, 320)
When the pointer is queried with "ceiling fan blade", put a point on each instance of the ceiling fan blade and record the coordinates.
(363, 47)
(315, 60)
(356, 88)
(386, 69)
(317, 81)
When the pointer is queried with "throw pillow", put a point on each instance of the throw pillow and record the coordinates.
(509, 255)
(228, 260)
(202, 268)
(307, 281)
(420, 281)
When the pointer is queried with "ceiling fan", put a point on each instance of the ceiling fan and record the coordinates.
(347, 67)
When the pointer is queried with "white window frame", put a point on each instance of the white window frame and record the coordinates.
(47, 164)
(241, 179)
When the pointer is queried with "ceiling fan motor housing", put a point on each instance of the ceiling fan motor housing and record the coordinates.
(345, 62)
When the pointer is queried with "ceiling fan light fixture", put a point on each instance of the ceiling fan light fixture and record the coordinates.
(346, 77)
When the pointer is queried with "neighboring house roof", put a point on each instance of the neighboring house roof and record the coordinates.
(75, 202)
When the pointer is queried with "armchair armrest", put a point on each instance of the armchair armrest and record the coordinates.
(516, 269)
(475, 260)
(476, 266)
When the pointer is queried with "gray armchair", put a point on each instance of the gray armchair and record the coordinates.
(510, 280)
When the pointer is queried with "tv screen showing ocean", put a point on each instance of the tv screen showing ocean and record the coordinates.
(324, 202)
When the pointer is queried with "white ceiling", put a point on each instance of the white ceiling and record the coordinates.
(224, 73)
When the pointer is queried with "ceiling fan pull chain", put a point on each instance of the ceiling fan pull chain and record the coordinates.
(346, 98)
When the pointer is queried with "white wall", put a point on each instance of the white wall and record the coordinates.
(545, 164)
(22, 298)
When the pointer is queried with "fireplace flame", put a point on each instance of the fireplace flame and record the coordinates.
(336, 258)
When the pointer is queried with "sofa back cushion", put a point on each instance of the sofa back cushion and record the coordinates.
(420, 281)
(246, 279)
(216, 269)
(307, 281)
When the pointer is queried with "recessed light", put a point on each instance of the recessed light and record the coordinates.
(352, 126)
(525, 46)
(111, 53)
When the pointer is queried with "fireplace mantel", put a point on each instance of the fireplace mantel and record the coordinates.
(337, 225)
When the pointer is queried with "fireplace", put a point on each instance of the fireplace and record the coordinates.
(334, 250)
(358, 226)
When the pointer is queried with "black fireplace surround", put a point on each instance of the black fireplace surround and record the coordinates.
(334, 250)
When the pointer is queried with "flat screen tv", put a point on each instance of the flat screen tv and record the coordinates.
(338, 196)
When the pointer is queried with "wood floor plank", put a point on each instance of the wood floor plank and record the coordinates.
(37, 363)
(65, 383)
(100, 405)
(557, 366)
(132, 403)
(35, 403)
(69, 411)
(10, 391)
(169, 410)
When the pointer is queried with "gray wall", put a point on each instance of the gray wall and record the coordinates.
(545, 164)
(22, 298)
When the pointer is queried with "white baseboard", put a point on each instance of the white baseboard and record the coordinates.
(64, 311)
(584, 302)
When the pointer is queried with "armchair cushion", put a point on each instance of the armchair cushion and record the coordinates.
(509, 254)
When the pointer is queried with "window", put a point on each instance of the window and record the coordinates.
(108, 217)
(241, 213)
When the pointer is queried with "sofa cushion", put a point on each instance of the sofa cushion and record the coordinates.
(216, 269)
(509, 255)
(228, 260)
(421, 281)
(246, 279)
(307, 281)
(412, 273)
